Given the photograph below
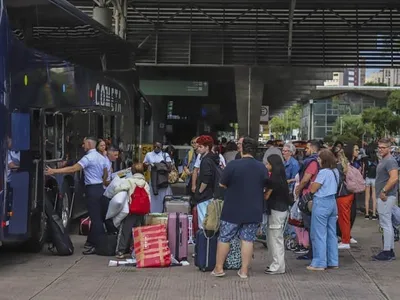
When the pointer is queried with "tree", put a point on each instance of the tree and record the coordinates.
(283, 125)
(394, 101)
(293, 116)
(382, 119)
(277, 126)
(351, 128)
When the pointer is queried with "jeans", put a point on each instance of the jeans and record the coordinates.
(323, 232)
(385, 221)
(275, 242)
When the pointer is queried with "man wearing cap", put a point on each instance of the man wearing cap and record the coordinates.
(95, 166)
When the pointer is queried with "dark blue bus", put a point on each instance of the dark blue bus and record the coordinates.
(47, 107)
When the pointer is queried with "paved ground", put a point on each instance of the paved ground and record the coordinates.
(46, 277)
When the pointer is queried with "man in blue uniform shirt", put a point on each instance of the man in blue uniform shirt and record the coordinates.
(95, 166)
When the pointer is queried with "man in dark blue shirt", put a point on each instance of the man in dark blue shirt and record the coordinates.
(244, 180)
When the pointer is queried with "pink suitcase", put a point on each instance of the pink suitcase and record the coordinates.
(178, 235)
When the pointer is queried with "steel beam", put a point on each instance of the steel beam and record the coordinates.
(290, 29)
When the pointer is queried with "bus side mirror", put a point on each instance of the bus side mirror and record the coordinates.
(20, 131)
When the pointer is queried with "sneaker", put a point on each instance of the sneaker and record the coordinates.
(302, 250)
(384, 256)
(367, 217)
(353, 241)
(342, 246)
(374, 218)
(120, 255)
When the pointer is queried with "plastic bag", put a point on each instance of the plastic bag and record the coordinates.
(116, 205)
(295, 216)
(121, 215)
(110, 191)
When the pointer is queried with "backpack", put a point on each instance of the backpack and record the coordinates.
(354, 181)
(218, 191)
(140, 202)
(59, 236)
(213, 215)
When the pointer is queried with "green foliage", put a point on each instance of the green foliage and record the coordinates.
(283, 124)
(277, 126)
(351, 128)
(382, 119)
(394, 102)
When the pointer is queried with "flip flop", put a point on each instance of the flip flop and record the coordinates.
(218, 274)
(242, 276)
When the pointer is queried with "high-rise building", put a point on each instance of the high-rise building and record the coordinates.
(375, 77)
(391, 77)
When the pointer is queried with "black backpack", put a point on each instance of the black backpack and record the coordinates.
(218, 191)
(60, 240)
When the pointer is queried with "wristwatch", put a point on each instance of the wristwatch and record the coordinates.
(383, 191)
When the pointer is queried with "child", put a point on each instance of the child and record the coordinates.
(125, 238)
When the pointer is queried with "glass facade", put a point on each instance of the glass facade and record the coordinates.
(323, 113)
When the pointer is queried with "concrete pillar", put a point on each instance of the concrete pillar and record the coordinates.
(249, 88)
(155, 132)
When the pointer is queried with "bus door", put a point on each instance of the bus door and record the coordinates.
(54, 148)
(14, 225)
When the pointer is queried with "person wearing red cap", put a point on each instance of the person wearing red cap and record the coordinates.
(205, 180)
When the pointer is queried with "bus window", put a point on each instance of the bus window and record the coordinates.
(55, 136)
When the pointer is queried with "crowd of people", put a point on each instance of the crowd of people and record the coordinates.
(256, 190)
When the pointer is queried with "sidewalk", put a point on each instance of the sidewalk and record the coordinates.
(46, 277)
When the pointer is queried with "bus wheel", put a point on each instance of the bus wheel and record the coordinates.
(64, 204)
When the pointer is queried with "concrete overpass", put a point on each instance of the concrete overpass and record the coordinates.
(278, 50)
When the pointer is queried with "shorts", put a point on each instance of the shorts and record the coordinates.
(246, 232)
(370, 182)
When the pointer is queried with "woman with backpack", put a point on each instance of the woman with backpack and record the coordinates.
(352, 151)
(344, 202)
(370, 172)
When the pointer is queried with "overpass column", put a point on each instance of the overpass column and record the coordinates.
(249, 88)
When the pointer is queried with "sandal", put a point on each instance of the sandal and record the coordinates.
(311, 268)
(218, 274)
(242, 276)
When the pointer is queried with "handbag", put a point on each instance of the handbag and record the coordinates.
(213, 215)
(305, 203)
(173, 174)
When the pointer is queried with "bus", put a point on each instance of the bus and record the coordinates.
(47, 107)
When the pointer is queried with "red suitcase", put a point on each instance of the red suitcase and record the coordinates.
(178, 235)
